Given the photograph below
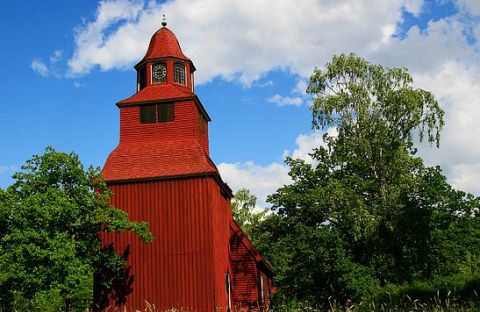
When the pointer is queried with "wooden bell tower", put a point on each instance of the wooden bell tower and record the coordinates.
(161, 172)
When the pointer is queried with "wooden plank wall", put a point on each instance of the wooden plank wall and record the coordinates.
(177, 269)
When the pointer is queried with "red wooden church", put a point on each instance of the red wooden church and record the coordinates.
(161, 172)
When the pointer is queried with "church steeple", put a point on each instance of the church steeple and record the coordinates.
(163, 126)
(161, 173)
(164, 62)
(164, 43)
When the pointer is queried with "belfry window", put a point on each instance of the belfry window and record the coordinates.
(147, 114)
(162, 112)
(159, 73)
(179, 73)
(165, 112)
(142, 78)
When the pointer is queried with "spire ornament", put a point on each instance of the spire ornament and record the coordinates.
(164, 21)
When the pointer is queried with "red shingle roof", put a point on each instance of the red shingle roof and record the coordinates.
(144, 160)
(164, 43)
(158, 92)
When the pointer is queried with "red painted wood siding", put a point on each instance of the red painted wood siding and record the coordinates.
(245, 276)
(157, 150)
(247, 295)
(221, 214)
(181, 268)
(267, 289)
(183, 128)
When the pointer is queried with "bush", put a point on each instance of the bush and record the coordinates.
(460, 287)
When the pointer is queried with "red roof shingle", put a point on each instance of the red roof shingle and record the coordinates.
(163, 44)
(158, 92)
(144, 160)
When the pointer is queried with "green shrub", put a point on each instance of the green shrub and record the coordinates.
(460, 287)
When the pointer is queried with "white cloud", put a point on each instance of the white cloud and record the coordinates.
(457, 87)
(40, 68)
(265, 84)
(466, 176)
(301, 87)
(307, 142)
(260, 180)
(51, 69)
(427, 50)
(476, 32)
(299, 92)
(107, 43)
(414, 6)
(469, 6)
(265, 180)
(56, 56)
(244, 40)
(239, 40)
(285, 100)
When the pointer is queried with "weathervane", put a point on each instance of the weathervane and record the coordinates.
(164, 21)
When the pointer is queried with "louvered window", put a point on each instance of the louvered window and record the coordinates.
(165, 112)
(147, 114)
(142, 78)
(179, 74)
(162, 112)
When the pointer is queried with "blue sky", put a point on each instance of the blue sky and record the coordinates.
(64, 65)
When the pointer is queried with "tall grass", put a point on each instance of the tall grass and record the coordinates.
(435, 304)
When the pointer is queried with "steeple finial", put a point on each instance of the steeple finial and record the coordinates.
(164, 21)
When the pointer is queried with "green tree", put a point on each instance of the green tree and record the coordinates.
(368, 212)
(50, 221)
(376, 111)
(243, 211)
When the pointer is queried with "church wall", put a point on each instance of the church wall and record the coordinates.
(177, 268)
(221, 214)
(245, 276)
(252, 281)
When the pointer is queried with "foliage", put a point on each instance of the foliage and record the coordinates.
(368, 213)
(50, 221)
(462, 287)
(409, 305)
(243, 211)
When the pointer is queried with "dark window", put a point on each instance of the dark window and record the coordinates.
(262, 292)
(165, 112)
(179, 74)
(201, 122)
(147, 114)
(228, 288)
(142, 78)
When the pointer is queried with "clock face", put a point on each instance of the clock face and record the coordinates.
(159, 72)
